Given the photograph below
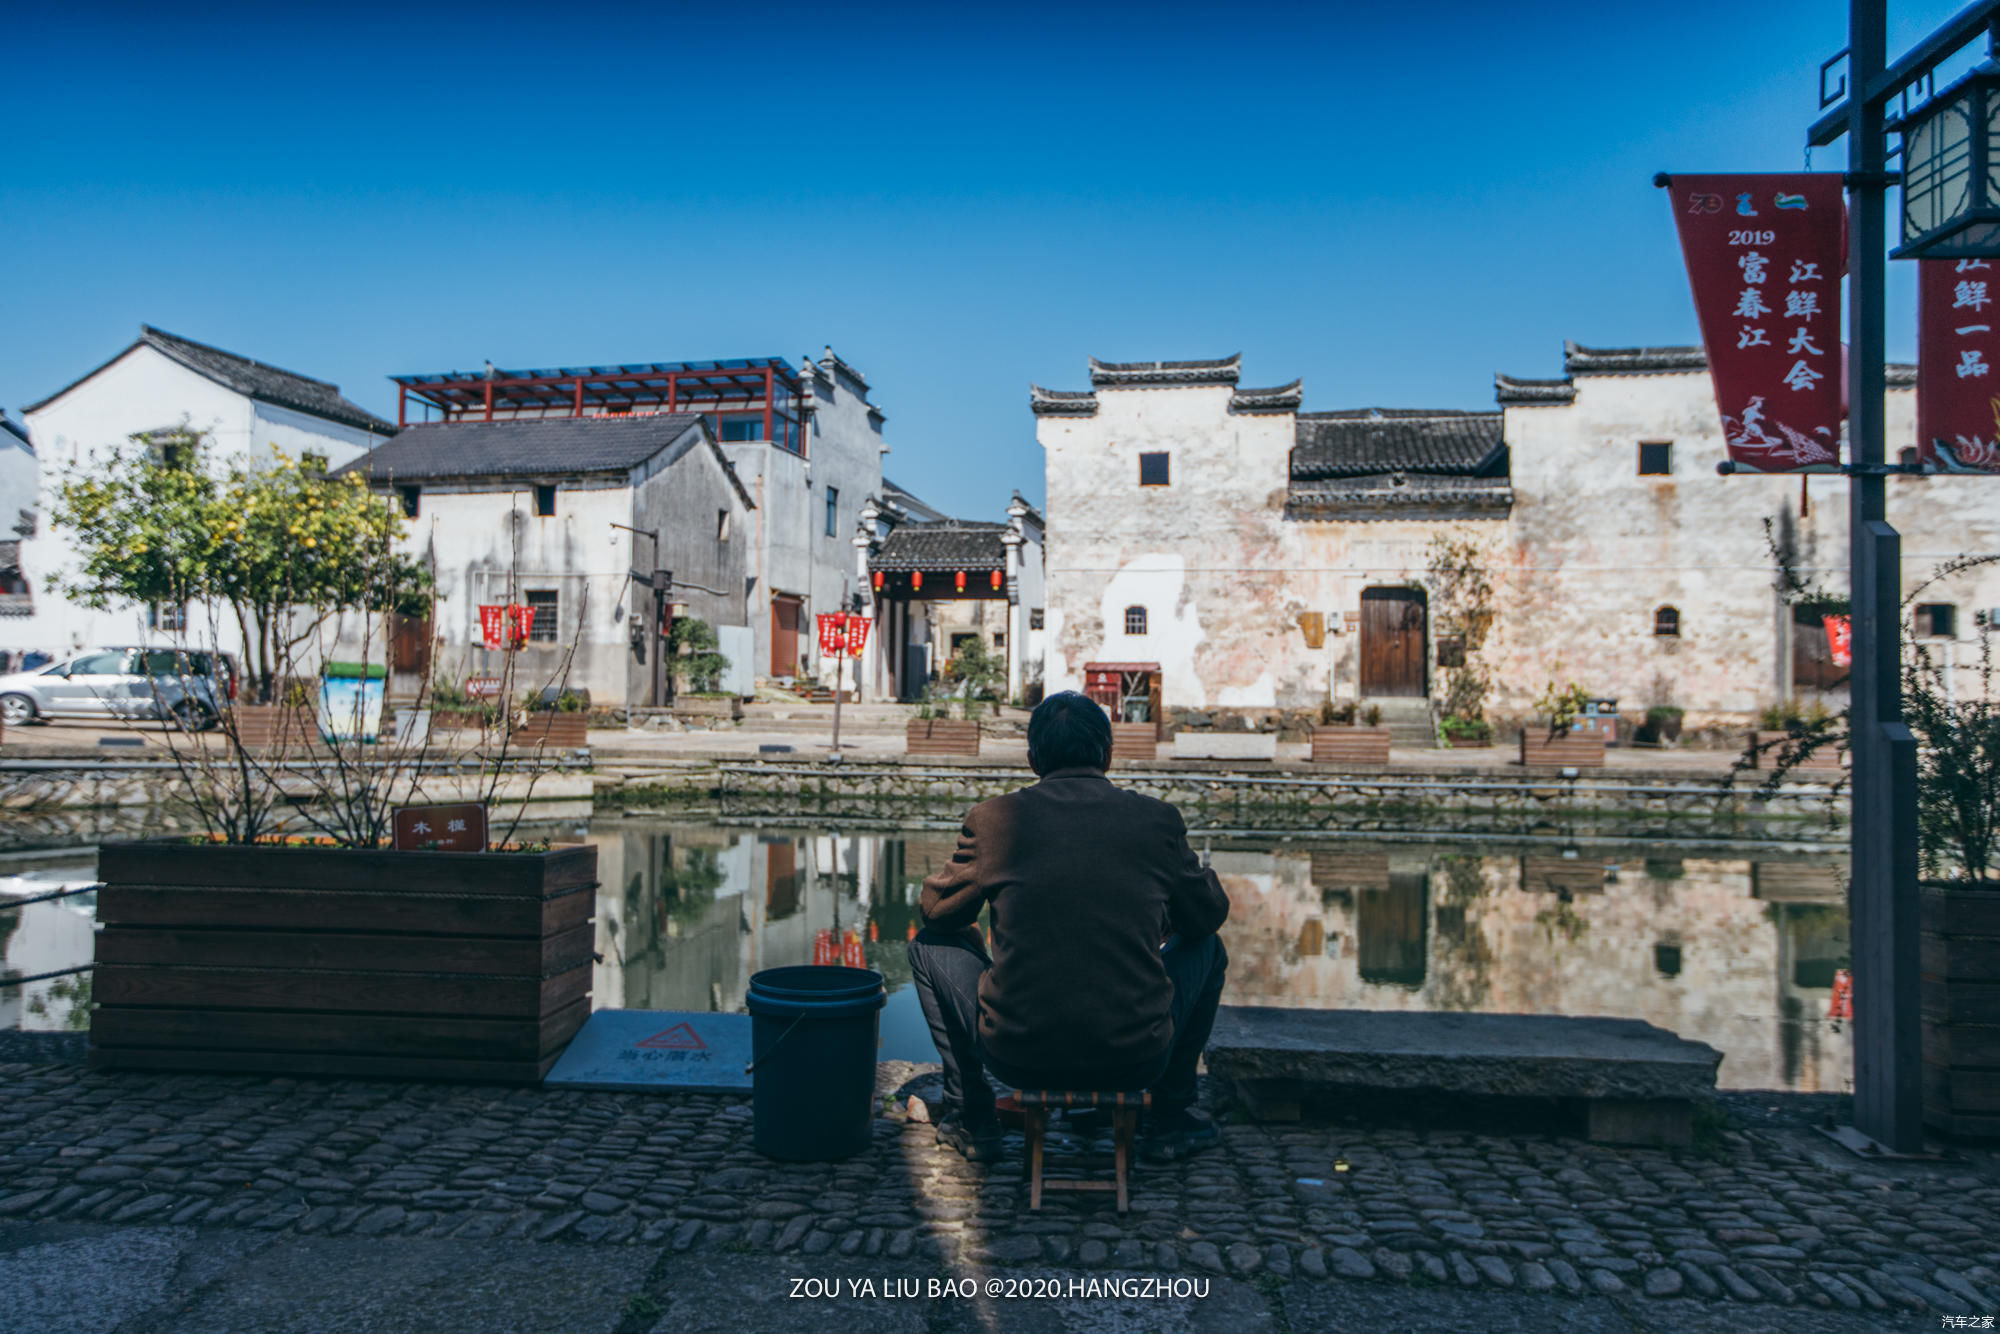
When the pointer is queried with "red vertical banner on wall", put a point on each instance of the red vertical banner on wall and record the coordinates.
(1839, 639)
(1958, 365)
(1764, 257)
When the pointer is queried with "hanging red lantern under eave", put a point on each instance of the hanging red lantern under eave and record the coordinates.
(916, 581)
(878, 581)
(960, 580)
(996, 581)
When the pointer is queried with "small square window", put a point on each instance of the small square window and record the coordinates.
(1656, 458)
(546, 603)
(166, 616)
(999, 641)
(1451, 650)
(1667, 622)
(1152, 470)
(412, 499)
(545, 501)
(312, 462)
(1937, 620)
(722, 525)
(1135, 620)
(738, 429)
(1035, 618)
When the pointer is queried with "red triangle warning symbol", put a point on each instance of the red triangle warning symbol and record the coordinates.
(681, 1037)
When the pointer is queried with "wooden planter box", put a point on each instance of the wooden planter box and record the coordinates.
(942, 736)
(1135, 741)
(553, 729)
(1468, 742)
(1350, 745)
(1825, 760)
(324, 961)
(1961, 1010)
(263, 726)
(692, 707)
(1539, 751)
(458, 722)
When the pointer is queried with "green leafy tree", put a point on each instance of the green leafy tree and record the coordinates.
(692, 655)
(981, 673)
(283, 546)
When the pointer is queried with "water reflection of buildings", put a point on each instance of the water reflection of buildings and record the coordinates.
(1735, 953)
(38, 938)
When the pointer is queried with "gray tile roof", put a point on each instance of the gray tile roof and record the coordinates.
(1400, 496)
(252, 379)
(1061, 402)
(1279, 398)
(530, 447)
(1372, 441)
(942, 547)
(1512, 392)
(1126, 374)
(1581, 360)
(18, 432)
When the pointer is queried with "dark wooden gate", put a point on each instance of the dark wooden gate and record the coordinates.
(1392, 641)
(410, 644)
(787, 618)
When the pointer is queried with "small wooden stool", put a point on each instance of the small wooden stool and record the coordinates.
(1035, 1106)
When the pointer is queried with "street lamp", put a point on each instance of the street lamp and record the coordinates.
(1951, 182)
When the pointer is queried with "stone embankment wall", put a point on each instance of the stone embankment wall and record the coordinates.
(1629, 807)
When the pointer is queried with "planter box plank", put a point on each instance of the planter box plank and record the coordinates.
(217, 866)
(323, 1064)
(941, 736)
(1962, 914)
(360, 992)
(330, 910)
(343, 1034)
(1135, 741)
(1564, 752)
(1960, 990)
(1350, 745)
(563, 731)
(1824, 760)
(346, 951)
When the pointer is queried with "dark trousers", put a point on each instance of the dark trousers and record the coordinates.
(947, 966)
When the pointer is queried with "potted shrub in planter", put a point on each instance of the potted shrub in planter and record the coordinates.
(1559, 746)
(1791, 738)
(559, 720)
(1340, 739)
(1662, 726)
(934, 732)
(1465, 733)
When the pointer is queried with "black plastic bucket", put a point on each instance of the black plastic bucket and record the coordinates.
(813, 1035)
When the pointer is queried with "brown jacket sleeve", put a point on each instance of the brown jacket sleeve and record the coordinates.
(1196, 903)
(953, 895)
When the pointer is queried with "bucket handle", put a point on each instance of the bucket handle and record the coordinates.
(751, 1067)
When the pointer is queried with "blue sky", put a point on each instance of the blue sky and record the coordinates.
(1392, 201)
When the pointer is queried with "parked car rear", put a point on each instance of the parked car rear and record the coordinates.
(184, 685)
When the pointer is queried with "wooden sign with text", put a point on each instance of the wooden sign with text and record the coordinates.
(460, 828)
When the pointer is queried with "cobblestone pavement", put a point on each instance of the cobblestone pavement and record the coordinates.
(1764, 1218)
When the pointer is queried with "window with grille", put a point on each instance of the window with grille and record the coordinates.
(1937, 620)
(1656, 458)
(166, 616)
(1451, 650)
(547, 605)
(1035, 618)
(1135, 620)
(1152, 470)
(1667, 622)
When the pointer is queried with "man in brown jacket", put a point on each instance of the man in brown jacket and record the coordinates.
(1105, 969)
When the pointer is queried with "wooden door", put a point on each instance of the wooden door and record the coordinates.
(787, 616)
(1392, 641)
(410, 644)
(1392, 930)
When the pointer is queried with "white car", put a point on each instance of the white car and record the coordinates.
(140, 683)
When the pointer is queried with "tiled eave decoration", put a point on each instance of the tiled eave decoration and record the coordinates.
(1401, 496)
(1168, 374)
(1061, 402)
(1282, 398)
(1513, 393)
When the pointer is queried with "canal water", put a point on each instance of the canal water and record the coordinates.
(1735, 947)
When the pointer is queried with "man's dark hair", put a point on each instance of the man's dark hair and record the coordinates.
(1068, 731)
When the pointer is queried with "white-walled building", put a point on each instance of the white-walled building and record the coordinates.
(245, 408)
(806, 443)
(542, 512)
(1261, 557)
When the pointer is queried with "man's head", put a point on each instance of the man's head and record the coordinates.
(1068, 731)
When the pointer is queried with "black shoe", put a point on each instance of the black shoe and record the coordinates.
(1177, 1134)
(979, 1142)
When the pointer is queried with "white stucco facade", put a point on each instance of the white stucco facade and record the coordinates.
(147, 388)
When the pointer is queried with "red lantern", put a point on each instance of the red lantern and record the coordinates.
(961, 581)
(878, 581)
(833, 633)
(996, 581)
(916, 580)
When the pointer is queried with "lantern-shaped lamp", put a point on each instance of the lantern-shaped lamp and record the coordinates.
(1951, 180)
(878, 581)
(961, 581)
(916, 581)
(996, 580)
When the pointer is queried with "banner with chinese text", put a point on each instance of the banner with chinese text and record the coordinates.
(1958, 387)
(1764, 257)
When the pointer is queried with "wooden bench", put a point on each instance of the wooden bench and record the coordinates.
(1639, 1083)
(1036, 1104)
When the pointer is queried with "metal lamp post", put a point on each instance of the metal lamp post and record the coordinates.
(1948, 202)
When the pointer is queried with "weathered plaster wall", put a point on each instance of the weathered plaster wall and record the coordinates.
(682, 501)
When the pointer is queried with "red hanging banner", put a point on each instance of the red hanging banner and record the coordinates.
(505, 626)
(832, 633)
(857, 635)
(1764, 257)
(1958, 365)
(1839, 639)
